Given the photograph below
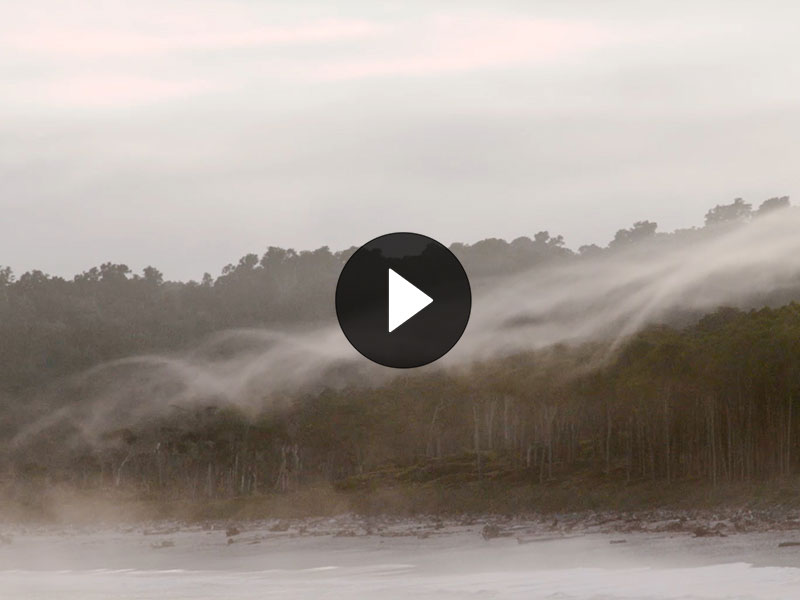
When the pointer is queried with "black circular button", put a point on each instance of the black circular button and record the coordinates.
(403, 300)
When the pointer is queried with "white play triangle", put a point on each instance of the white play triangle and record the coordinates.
(405, 300)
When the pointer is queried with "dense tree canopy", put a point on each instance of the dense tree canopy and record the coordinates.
(713, 400)
(52, 326)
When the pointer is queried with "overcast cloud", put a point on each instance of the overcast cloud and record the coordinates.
(186, 134)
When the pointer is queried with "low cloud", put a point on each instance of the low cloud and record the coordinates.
(603, 299)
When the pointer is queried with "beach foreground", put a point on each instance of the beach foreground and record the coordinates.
(348, 557)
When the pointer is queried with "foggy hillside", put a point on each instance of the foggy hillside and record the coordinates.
(614, 362)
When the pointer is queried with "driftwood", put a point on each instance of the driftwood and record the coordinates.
(545, 538)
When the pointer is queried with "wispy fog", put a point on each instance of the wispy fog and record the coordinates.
(604, 298)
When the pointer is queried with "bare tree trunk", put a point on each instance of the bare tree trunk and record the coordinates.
(541, 466)
(296, 465)
(119, 469)
(789, 437)
(159, 466)
(282, 482)
(431, 430)
(506, 423)
(528, 456)
(712, 434)
(490, 425)
(608, 437)
(667, 448)
(629, 450)
(476, 418)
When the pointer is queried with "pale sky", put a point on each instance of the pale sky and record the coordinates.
(186, 134)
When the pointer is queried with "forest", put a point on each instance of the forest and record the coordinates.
(711, 401)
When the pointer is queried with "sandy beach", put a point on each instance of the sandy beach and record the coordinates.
(351, 557)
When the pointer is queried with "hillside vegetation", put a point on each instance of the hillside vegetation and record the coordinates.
(712, 403)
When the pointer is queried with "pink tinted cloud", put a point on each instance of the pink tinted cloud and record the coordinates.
(84, 42)
(453, 44)
(421, 47)
(112, 91)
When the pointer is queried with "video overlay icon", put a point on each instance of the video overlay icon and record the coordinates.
(403, 300)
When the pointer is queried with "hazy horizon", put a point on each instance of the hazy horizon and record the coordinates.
(186, 135)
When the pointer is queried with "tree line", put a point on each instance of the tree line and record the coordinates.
(713, 401)
(52, 326)
(718, 401)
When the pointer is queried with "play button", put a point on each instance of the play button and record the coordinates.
(403, 300)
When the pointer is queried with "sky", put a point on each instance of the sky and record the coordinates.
(186, 134)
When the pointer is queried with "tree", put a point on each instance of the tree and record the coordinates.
(641, 230)
(590, 250)
(153, 276)
(773, 204)
(735, 212)
(111, 272)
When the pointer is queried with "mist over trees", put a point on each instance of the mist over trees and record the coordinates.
(51, 326)
(715, 400)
